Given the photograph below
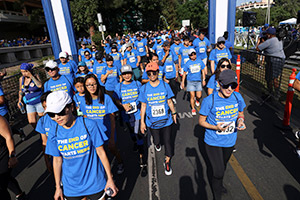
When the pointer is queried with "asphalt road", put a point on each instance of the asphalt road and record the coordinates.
(264, 166)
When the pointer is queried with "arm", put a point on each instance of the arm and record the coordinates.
(183, 80)
(139, 60)
(20, 93)
(205, 124)
(173, 111)
(179, 61)
(296, 85)
(2, 100)
(212, 66)
(203, 77)
(111, 141)
(36, 80)
(46, 157)
(165, 57)
(241, 122)
(104, 76)
(143, 112)
(79, 58)
(57, 166)
(110, 182)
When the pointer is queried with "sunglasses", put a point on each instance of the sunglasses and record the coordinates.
(226, 66)
(50, 69)
(87, 55)
(91, 85)
(61, 113)
(221, 42)
(152, 72)
(232, 85)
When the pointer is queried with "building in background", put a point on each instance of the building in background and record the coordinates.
(255, 5)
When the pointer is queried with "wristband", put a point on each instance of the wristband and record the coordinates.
(13, 155)
(174, 113)
(241, 118)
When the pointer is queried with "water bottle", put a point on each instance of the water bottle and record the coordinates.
(22, 109)
(109, 192)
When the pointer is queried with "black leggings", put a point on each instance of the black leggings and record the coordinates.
(166, 133)
(174, 86)
(96, 196)
(4, 180)
(218, 157)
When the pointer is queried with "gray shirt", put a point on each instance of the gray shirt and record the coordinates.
(272, 47)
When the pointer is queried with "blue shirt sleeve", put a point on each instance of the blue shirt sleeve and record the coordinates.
(142, 94)
(40, 126)
(206, 106)
(51, 147)
(241, 101)
(1, 92)
(211, 83)
(212, 55)
(170, 93)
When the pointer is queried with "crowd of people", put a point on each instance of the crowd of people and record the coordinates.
(133, 82)
(18, 42)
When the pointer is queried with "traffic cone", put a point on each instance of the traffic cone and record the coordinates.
(238, 71)
(289, 99)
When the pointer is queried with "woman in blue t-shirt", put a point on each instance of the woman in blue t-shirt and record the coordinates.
(110, 75)
(100, 107)
(221, 115)
(83, 70)
(158, 112)
(80, 163)
(212, 84)
(30, 92)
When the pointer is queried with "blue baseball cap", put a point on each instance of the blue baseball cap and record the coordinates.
(158, 38)
(266, 25)
(271, 31)
(26, 66)
(82, 63)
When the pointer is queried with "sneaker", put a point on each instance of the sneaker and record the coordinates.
(197, 103)
(22, 196)
(142, 163)
(168, 169)
(157, 147)
(234, 150)
(194, 112)
(22, 135)
(298, 152)
(120, 168)
(174, 100)
(297, 134)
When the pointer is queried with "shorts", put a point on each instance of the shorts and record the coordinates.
(204, 61)
(273, 68)
(96, 196)
(144, 59)
(194, 86)
(34, 108)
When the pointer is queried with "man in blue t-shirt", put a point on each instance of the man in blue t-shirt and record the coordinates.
(202, 45)
(82, 50)
(219, 52)
(141, 46)
(65, 67)
(157, 47)
(58, 82)
(176, 45)
(183, 54)
(132, 58)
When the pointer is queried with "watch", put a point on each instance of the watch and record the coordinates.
(13, 155)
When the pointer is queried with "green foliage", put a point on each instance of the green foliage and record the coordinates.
(97, 38)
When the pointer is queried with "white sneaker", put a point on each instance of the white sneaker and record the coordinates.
(157, 147)
(168, 168)
(297, 134)
(298, 152)
(197, 103)
(194, 112)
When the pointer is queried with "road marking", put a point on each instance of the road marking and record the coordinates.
(245, 180)
(185, 114)
(152, 173)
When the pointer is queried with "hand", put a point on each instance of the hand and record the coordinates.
(167, 53)
(126, 106)
(29, 74)
(58, 194)
(20, 104)
(137, 64)
(203, 83)
(110, 72)
(220, 128)
(143, 127)
(241, 125)
(174, 118)
(12, 162)
(110, 184)
(182, 85)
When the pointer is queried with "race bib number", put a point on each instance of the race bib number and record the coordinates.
(185, 60)
(230, 127)
(158, 111)
(169, 68)
(141, 50)
(133, 108)
(202, 50)
(195, 69)
(132, 59)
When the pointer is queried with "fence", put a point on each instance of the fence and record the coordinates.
(257, 73)
(10, 86)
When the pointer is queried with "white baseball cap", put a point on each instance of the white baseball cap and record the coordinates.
(57, 101)
(191, 51)
(51, 64)
(63, 54)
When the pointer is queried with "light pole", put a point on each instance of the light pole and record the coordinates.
(101, 26)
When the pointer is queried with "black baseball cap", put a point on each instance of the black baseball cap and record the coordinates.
(227, 76)
(166, 43)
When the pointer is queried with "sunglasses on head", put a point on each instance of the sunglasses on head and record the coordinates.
(152, 72)
(227, 66)
(61, 113)
(232, 85)
(48, 69)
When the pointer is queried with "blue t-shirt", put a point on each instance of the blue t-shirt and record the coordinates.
(201, 47)
(82, 170)
(73, 64)
(217, 55)
(78, 99)
(117, 59)
(160, 75)
(66, 69)
(129, 94)
(112, 79)
(194, 69)
(107, 48)
(89, 62)
(131, 57)
(141, 47)
(100, 112)
(213, 83)
(222, 110)
(184, 53)
(169, 65)
(175, 48)
(81, 52)
(158, 114)
(64, 83)
(94, 54)
(81, 74)
(44, 125)
(158, 47)
(3, 108)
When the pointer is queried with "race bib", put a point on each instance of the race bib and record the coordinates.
(141, 50)
(185, 60)
(169, 68)
(202, 50)
(158, 110)
(132, 59)
(133, 108)
(195, 69)
(229, 130)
